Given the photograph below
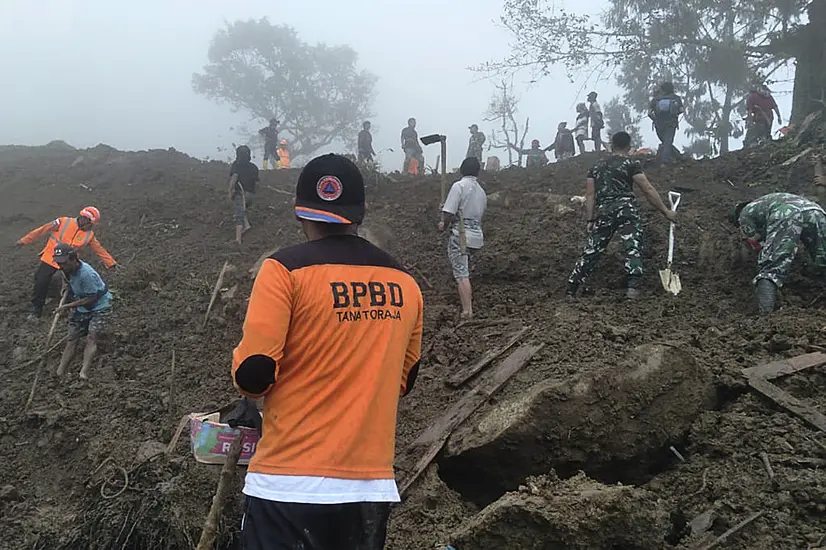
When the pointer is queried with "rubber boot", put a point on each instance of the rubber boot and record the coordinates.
(766, 296)
(634, 287)
(264, 165)
(572, 289)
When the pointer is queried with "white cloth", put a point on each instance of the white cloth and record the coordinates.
(466, 197)
(319, 490)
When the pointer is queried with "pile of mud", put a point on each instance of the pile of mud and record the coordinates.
(585, 402)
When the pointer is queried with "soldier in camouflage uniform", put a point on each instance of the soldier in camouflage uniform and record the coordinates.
(773, 225)
(611, 208)
(477, 140)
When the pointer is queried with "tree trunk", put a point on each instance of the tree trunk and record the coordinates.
(725, 123)
(810, 75)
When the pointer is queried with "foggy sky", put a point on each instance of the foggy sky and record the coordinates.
(98, 71)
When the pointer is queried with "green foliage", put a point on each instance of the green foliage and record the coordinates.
(618, 118)
(266, 70)
(711, 50)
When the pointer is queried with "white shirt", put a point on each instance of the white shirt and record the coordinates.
(467, 198)
(319, 490)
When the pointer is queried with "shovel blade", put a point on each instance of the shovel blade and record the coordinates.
(671, 281)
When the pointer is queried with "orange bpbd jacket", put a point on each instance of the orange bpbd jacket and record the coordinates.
(65, 230)
(283, 157)
(341, 324)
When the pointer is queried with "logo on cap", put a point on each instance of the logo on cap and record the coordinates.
(329, 188)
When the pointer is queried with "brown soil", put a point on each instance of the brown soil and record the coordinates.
(167, 221)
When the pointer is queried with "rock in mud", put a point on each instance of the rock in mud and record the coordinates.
(576, 514)
(9, 493)
(615, 425)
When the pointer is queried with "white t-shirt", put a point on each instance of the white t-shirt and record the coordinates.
(319, 490)
(468, 198)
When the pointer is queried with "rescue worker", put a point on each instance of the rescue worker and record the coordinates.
(466, 203)
(774, 225)
(535, 156)
(75, 232)
(760, 108)
(664, 111)
(331, 340)
(475, 143)
(564, 143)
(270, 135)
(91, 305)
(365, 144)
(596, 119)
(581, 127)
(412, 148)
(243, 177)
(611, 208)
(283, 155)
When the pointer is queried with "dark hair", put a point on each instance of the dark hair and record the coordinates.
(366, 124)
(470, 167)
(734, 217)
(621, 141)
(667, 87)
(243, 154)
(411, 119)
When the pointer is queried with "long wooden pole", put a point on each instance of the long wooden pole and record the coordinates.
(42, 363)
(210, 531)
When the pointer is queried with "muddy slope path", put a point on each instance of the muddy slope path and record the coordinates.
(77, 468)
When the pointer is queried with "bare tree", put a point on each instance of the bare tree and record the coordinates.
(502, 109)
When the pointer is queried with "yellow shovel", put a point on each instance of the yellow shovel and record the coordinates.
(670, 280)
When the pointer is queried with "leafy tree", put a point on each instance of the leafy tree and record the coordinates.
(618, 118)
(502, 109)
(711, 49)
(266, 70)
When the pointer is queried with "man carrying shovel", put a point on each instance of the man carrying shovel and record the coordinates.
(462, 213)
(611, 208)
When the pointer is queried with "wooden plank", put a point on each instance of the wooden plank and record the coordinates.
(472, 370)
(419, 454)
(785, 367)
(789, 402)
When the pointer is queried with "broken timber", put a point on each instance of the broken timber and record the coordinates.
(758, 379)
(469, 372)
(419, 454)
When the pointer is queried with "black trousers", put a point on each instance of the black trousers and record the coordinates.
(269, 525)
(42, 280)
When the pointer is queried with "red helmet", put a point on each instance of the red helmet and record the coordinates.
(91, 213)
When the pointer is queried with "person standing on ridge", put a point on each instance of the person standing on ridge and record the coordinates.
(475, 143)
(92, 305)
(596, 119)
(761, 108)
(411, 147)
(581, 127)
(774, 225)
(466, 203)
(283, 155)
(611, 208)
(270, 135)
(75, 232)
(535, 156)
(243, 177)
(564, 143)
(665, 110)
(365, 144)
(331, 340)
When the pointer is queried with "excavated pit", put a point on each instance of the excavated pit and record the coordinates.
(616, 425)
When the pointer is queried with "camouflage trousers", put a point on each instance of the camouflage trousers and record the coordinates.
(782, 240)
(622, 220)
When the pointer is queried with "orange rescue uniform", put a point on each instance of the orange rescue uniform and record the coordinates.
(341, 323)
(66, 230)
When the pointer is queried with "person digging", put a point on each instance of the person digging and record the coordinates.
(92, 307)
(243, 177)
(774, 225)
(611, 208)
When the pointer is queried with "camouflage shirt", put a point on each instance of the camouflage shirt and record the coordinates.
(477, 139)
(614, 179)
(758, 215)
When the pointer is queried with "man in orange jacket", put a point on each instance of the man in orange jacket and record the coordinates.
(74, 232)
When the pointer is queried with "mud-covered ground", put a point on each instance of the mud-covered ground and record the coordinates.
(167, 221)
